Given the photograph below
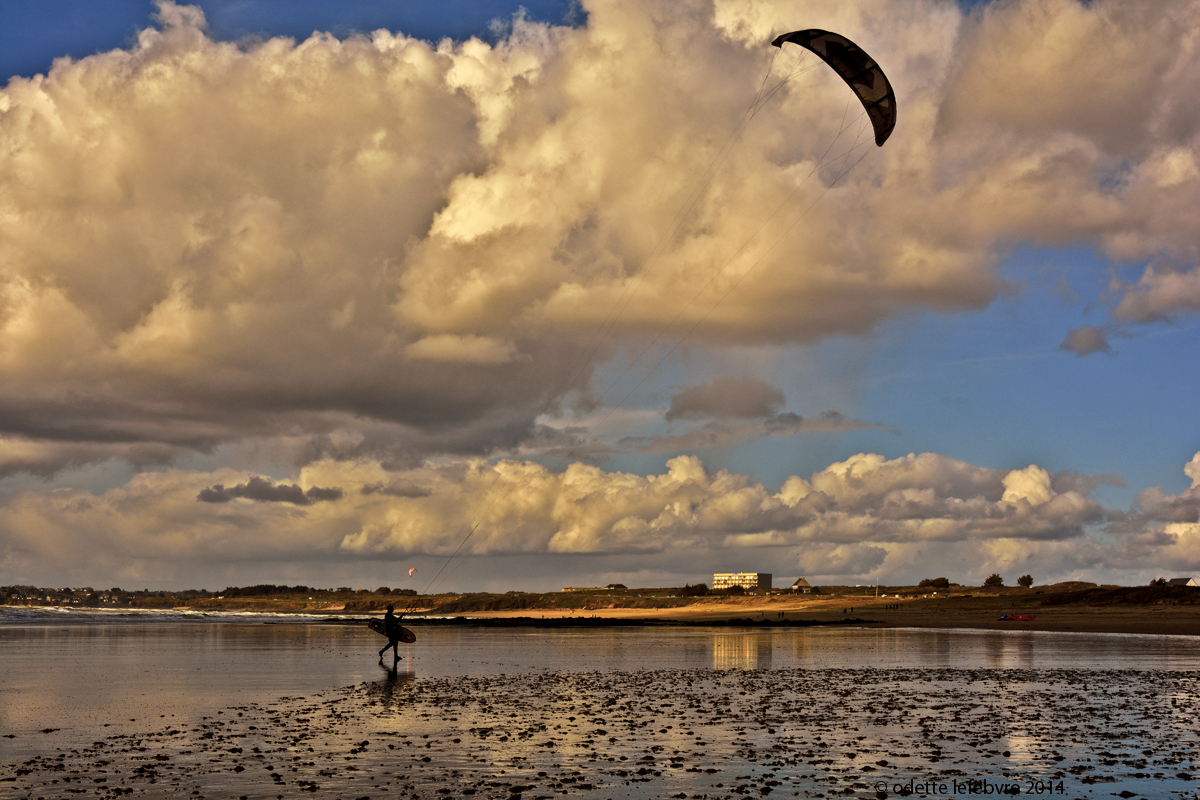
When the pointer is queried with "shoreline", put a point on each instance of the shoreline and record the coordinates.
(1179, 616)
(974, 611)
(983, 614)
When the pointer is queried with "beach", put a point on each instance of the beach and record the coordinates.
(1062, 607)
(981, 612)
(639, 712)
(695, 733)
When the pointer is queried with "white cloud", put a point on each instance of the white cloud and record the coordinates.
(1030, 485)
(864, 515)
(1182, 554)
(252, 238)
(373, 255)
(1161, 293)
(1192, 470)
(842, 561)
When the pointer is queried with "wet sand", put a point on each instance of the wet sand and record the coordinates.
(663, 733)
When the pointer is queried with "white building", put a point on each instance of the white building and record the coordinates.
(746, 580)
(1182, 582)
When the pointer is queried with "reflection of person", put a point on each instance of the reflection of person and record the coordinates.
(391, 627)
(393, 691)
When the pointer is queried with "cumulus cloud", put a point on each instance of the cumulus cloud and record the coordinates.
(1086, 340)
(1160, 294)
(373, 257)
(865, 514)
(203, 242)
(264, 490)
(865, 517)
(843, 560)
(1161, 531)
(1154, 506)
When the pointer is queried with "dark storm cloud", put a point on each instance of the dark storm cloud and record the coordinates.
(727, 398)
(265, 490)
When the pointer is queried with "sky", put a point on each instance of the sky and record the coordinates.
(555, 294)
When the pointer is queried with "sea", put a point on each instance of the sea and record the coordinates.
(70, 679)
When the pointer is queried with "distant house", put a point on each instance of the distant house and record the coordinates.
(802, 586)
(1182, 582)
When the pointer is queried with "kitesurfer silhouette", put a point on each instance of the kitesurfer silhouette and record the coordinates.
(391, 628)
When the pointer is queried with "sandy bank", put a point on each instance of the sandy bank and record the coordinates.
(980, 612)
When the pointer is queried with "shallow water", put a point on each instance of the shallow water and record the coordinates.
(83, 674)
(1004, 702)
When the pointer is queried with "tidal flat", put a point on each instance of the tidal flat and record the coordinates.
(695, 714)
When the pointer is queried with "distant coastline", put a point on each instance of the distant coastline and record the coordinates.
(1078, 607)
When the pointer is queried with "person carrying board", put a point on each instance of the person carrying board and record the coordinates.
(391, 628)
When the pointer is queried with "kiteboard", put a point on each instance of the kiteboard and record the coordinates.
(406, 636)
